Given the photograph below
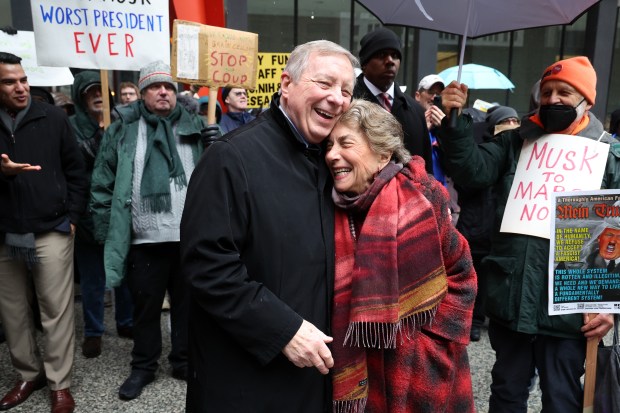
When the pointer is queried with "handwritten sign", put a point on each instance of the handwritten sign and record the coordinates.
(270, 68)
(99, 34)
(553, 163)
(22, 45)
(213, 56)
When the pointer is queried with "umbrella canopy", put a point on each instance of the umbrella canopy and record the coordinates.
(475, 18)
(477, 77)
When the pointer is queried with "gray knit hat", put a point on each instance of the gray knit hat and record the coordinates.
(496, 114)
(155, 72)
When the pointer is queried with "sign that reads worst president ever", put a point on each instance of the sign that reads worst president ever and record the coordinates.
(99, 34)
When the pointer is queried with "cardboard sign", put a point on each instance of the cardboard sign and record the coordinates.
(98, 34)
(552, 163)
(213, 56)
(270, 68)
(22, 45)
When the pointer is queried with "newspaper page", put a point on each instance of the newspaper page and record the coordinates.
(584, 259)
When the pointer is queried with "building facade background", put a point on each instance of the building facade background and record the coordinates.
(521, 55)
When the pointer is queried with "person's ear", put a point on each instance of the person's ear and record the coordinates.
(285, 82)
(384, 159)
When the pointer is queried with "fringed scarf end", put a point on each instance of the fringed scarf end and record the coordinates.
(156, 203)
(180, 182)
(349, 406)
(385, 335)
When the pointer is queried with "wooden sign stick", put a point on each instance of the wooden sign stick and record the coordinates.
(211, 120)
(590, 378)
(105, 94)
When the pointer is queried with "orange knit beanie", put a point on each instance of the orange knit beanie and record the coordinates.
(577, 72)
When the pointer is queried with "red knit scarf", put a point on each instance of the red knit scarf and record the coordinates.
(388, 284)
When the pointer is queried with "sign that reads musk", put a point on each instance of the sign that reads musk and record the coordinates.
(550, 164)
(99, 34)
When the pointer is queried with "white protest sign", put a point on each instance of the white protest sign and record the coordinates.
(99, 34)
(553, 163)
(22, 45)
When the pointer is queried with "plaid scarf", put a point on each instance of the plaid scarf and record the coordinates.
(389, 282)
(161, 161)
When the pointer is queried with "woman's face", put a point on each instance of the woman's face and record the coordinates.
(352, 162)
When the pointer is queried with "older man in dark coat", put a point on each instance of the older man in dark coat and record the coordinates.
(257, 249)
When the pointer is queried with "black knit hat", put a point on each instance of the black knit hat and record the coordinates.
(378, 40)
(225, 92)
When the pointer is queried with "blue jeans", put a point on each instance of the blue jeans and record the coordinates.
(89, 264)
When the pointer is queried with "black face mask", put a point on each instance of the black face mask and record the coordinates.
(556, 118)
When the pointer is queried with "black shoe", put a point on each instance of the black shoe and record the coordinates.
(91, 347)
(2, 336)
(180, 373)
(134, 384)
(125, 332)
(474, 334)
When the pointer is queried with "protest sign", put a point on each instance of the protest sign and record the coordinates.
(584, 250)
(99, 34)
(22, 45)
(270, 68)
(213, 56)
(552, 163)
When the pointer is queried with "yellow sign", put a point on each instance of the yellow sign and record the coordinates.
(270, 67)
(213, 56)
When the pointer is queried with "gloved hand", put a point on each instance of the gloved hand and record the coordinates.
(210, 134)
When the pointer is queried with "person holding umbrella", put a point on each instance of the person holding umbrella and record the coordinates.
(522, 333)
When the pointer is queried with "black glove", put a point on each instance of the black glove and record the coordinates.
(9, 30)
(210, 134)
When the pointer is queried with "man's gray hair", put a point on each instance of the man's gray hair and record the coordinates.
(298, 60)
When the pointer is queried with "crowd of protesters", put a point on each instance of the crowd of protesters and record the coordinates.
(312, 255)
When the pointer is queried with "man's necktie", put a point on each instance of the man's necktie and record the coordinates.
(384, 98)
(611, 266)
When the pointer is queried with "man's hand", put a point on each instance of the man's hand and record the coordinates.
(598, 326)
(8, 167)
(454, 96)
(434, 115)
(308, 348)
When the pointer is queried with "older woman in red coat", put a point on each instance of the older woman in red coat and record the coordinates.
(405, 284)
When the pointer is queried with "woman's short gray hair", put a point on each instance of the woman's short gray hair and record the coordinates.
(383, 131)
(298, 60)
